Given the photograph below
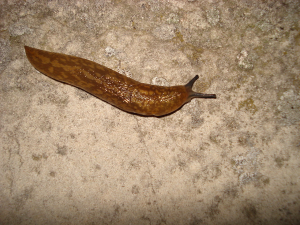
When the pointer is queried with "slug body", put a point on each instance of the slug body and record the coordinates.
(112, 87)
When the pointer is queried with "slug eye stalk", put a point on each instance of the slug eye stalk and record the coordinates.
(193, 94)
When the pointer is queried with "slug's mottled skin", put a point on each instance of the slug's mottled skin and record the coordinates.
(112, 87)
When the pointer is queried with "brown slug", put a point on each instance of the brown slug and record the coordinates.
(112, 87)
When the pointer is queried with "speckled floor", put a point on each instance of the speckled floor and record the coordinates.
(67, 157)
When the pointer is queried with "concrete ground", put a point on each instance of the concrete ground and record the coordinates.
(67, 157)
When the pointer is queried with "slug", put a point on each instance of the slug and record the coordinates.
(118, 90)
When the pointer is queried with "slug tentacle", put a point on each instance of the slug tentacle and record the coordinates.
(193, 94)
(111, 86)
(192, 81)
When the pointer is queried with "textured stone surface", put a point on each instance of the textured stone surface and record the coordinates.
(69, 158)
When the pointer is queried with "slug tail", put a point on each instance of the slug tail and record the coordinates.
(193, 94)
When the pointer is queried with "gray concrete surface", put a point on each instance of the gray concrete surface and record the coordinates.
(67, 157)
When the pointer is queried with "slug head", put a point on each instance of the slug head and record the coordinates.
(192, 94)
